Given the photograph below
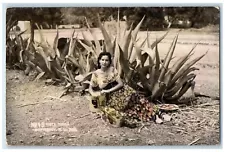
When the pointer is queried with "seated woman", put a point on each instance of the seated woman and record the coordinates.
(114, 99)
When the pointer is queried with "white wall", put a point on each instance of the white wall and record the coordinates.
(24, 25)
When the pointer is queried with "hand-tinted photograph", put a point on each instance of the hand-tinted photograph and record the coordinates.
(112, 76)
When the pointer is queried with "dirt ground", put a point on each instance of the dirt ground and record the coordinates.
(35, 115)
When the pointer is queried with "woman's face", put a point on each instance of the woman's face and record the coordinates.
(104, 61)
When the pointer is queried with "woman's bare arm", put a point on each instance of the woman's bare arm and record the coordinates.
(115, 88)
(91, 91)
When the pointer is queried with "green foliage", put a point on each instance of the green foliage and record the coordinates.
(154, 16)
(40, 15)
(138, 63)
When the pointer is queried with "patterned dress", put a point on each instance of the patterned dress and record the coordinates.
(122, 107)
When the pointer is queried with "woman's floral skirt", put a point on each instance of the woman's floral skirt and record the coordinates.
(124, 107)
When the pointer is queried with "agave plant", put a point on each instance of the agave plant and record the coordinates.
(141, 67)
(63, 66)
(138, 63)
(13, 45)
(49, 62)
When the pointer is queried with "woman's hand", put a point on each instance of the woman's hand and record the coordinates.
(105, 91)
(96, 93)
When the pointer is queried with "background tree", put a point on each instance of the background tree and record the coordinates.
(41, 15)
(154, 16)
(76, 15)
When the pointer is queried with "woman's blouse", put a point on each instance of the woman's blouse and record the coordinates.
(101, 79)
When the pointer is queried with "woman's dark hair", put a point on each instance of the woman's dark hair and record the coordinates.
(104, 54)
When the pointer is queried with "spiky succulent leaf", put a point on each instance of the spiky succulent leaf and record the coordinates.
(173, 83)
(126, 41)
(168, 59)
(179, 84)
(157, 40)
(154, 79)
(186, 67)
(97, 44)
(87, 39)
(72, 44)
(42, 39)
(108, 42)
(134, 36)
(56, 40)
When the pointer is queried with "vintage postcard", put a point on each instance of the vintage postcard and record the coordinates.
(113, 76)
